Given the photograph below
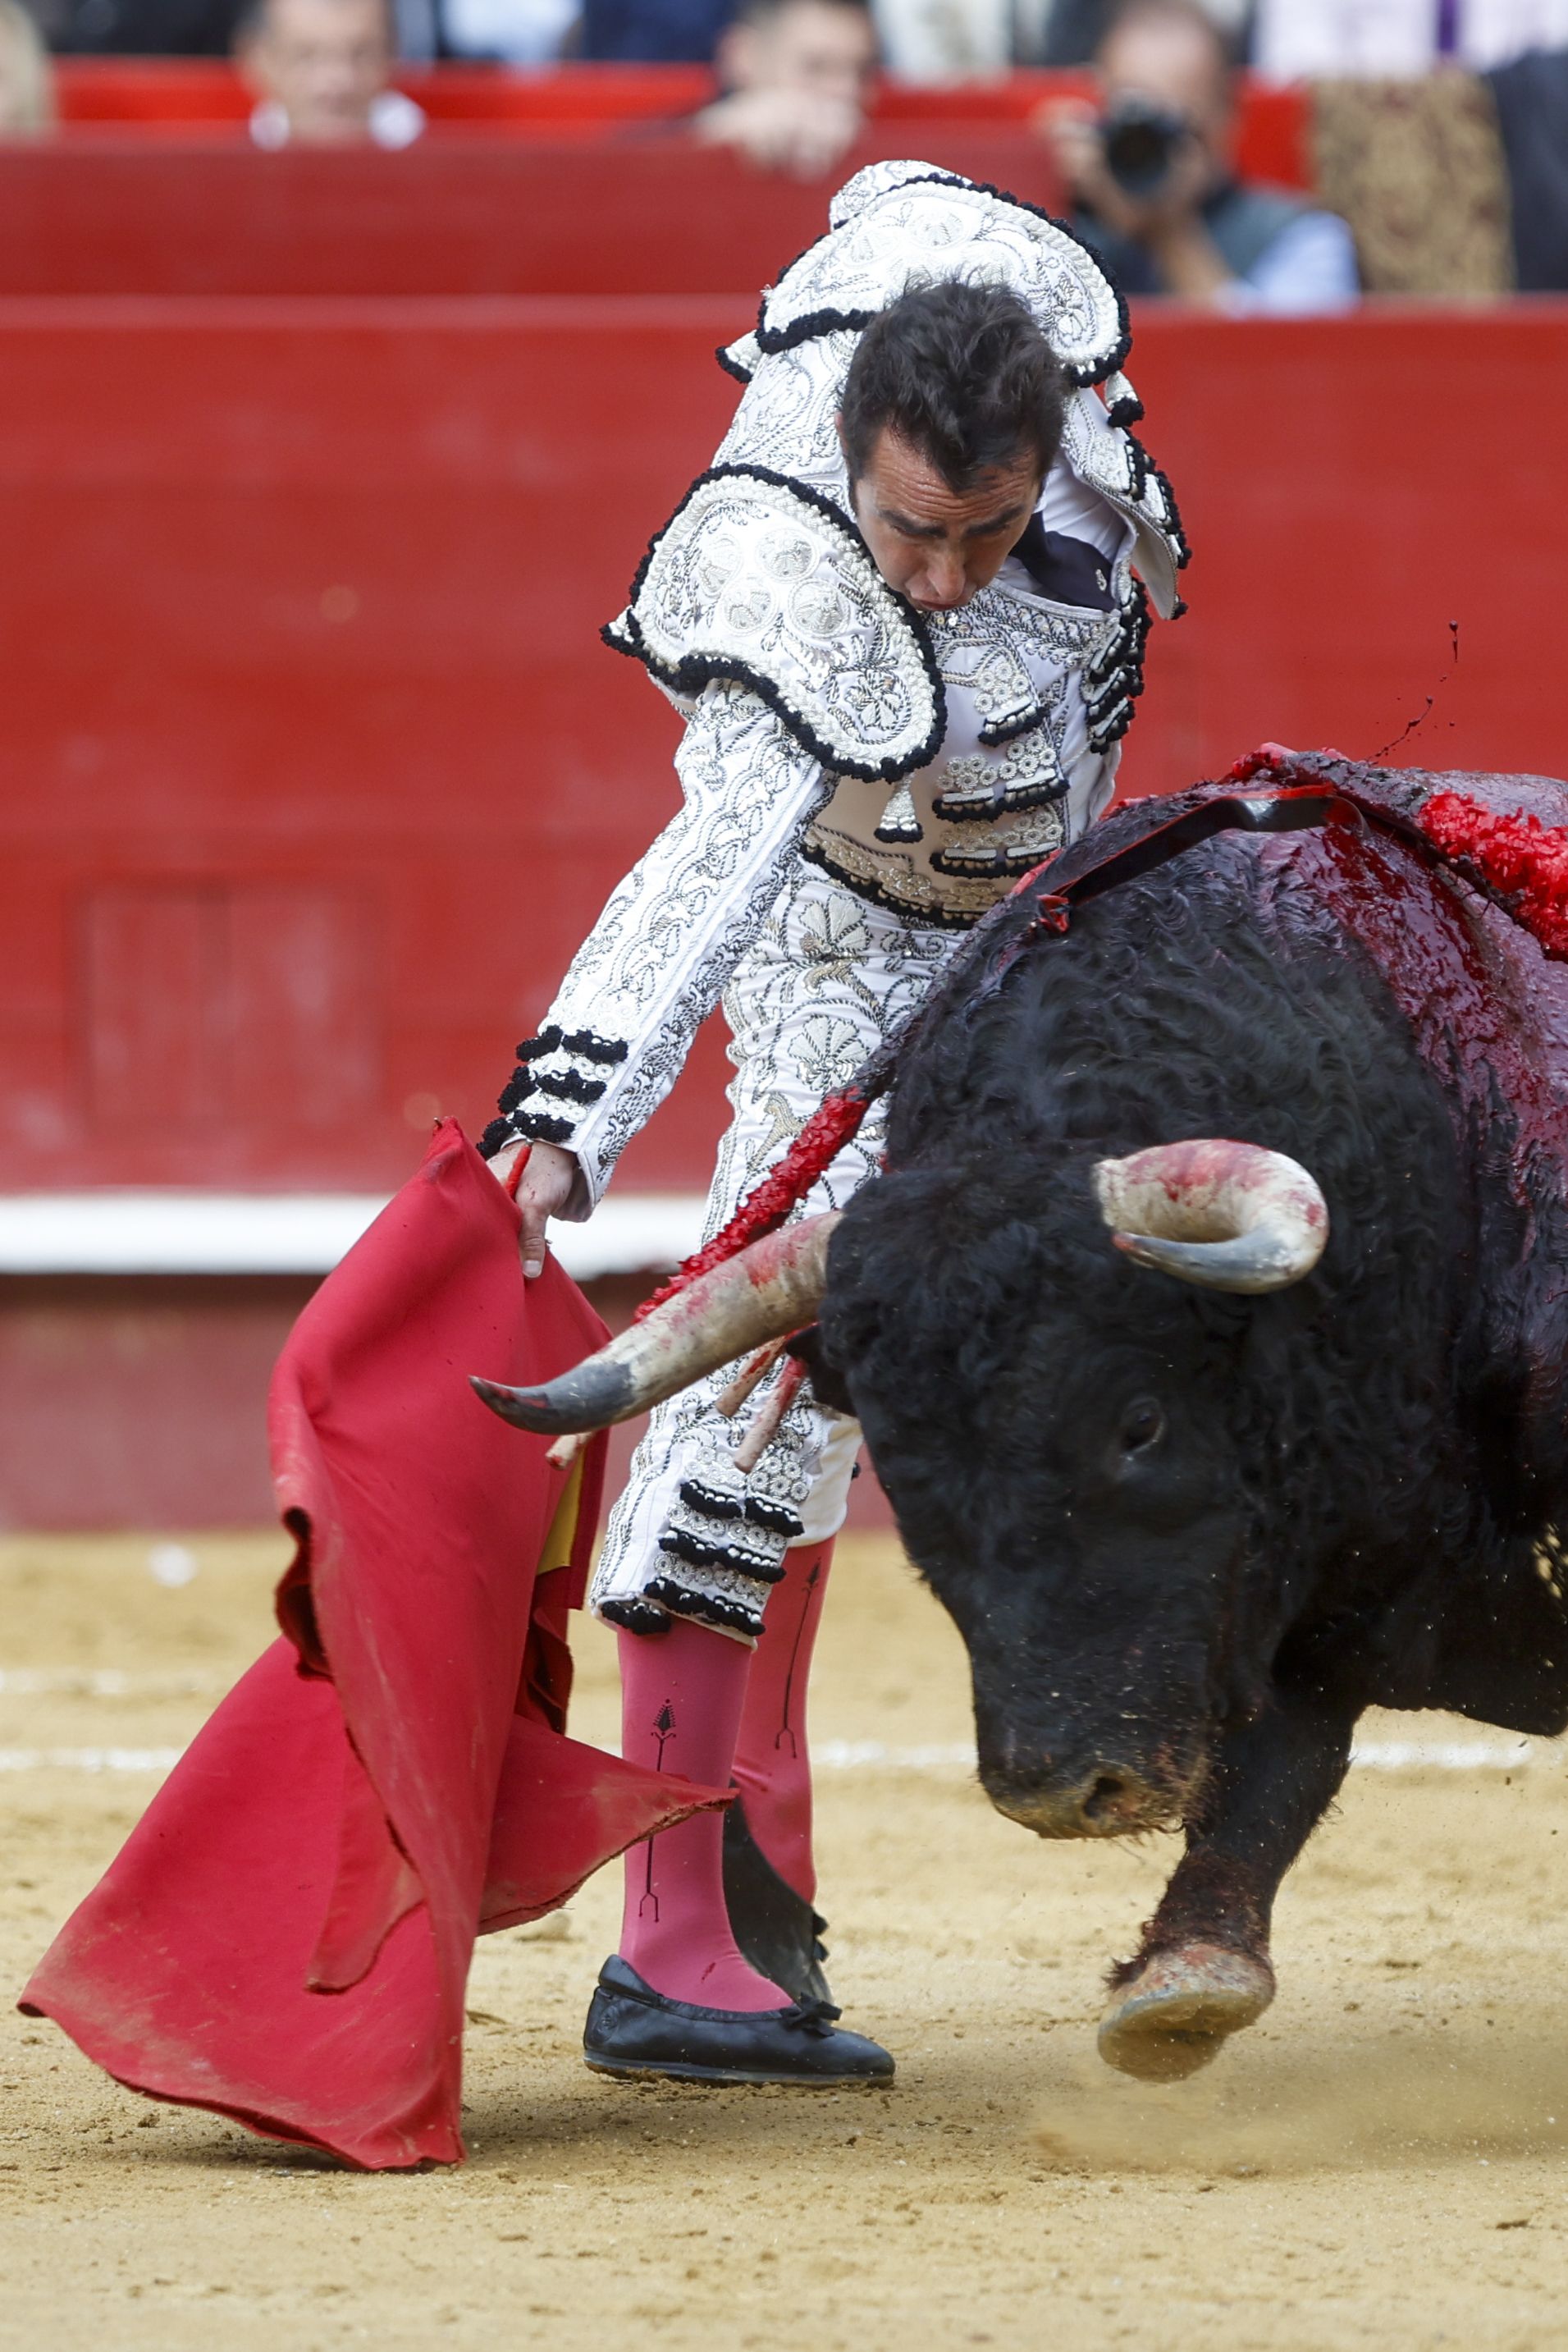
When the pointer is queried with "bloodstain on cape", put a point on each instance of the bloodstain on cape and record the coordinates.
(285, 1936)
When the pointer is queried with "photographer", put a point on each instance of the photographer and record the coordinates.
(1155, 191)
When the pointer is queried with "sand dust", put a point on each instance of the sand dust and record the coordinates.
(1382, 2162)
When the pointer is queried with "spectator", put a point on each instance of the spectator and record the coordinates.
(1155, 191)
(653, 32)
(965, 40)
(1073, 29)
(321, 71)
(152, 29)
(796, 75)
(512, 32)
(26, 87)
(939, 41)
(1531, 95)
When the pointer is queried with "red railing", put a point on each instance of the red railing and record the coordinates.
(185, 98)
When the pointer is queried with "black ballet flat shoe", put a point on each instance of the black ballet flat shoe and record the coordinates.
(777, 1929)
(632, 2030)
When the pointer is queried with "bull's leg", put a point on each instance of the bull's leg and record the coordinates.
(1202, 1969)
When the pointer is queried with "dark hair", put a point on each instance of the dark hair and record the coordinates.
(1226, 46)
(250, 23)
(962, 373)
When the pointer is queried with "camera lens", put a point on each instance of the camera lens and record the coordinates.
(1140, 142)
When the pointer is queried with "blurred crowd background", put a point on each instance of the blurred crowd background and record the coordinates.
(1437, 131)
(350, 351)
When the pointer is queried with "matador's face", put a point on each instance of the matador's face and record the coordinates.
(934, 544)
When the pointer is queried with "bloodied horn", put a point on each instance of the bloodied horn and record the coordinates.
(772, 1287)
(1227, 1216)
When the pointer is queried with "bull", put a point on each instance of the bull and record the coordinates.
(1208, 1329)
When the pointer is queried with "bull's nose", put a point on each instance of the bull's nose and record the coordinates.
(1106, 1801)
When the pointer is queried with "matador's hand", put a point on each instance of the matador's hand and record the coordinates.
(543, 1191)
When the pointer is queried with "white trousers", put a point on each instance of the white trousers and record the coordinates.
(828, 977)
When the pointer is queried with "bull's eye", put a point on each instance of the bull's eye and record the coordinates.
(1142, 1424)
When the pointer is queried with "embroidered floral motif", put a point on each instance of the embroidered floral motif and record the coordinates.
(1122, 405)
(910, 223)
(1002, 851)
(787, 418)
(996, 645)
(764, 581)
(1115, 678)
(1104, 455)
(897, 882)
(827, 978)
(537, 1126)
(1027, 775)
(900, 820)
(689, 1539)
(1003, 656)
(654, 965)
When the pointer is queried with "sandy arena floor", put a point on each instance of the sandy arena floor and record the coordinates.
(1384, 2162)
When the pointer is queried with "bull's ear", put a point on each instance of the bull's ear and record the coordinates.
(826, 1380)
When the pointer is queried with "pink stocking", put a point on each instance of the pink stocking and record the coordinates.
(772, 1766)
(681, 1699)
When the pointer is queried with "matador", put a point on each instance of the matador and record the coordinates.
(903, 613)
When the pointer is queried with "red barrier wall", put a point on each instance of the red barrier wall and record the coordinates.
(653, 215)
(312, 771)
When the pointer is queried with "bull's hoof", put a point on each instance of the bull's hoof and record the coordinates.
(1173, 2015)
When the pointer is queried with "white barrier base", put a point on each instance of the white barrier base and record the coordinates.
(152, 1230)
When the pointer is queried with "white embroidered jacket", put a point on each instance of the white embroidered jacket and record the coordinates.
(926, 763)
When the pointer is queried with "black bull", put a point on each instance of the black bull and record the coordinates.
(1189, 1537)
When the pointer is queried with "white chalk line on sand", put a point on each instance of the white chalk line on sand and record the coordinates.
(872, 1754)
(89, 1759)
(1412, 1755)
(104, 1682)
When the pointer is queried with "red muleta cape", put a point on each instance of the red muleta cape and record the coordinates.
(285, 1936)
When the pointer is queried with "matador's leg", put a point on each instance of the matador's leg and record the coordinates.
(694, 1538)
(769, 1869)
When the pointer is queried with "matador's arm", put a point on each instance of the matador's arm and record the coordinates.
(653, 968)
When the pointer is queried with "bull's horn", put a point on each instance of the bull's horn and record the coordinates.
(770, 1289)
(1227, 1216)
